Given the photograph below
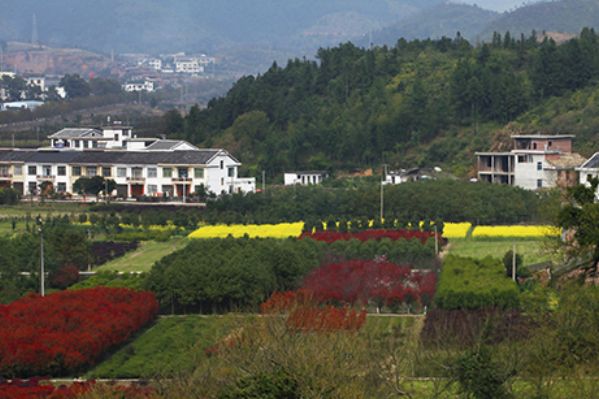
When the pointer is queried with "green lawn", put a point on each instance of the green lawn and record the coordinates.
(34, 209)
(170, 346)
(533, 250)
(142, 259)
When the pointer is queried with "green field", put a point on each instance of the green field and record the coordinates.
(533, 250)
(172, 345)
(142, 259)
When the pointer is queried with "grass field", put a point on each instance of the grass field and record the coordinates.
(142, 259)
(170, 346)
(533, 250)
(34, 209)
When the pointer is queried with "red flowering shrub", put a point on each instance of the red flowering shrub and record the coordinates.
(381, 282)
(363, 236)
(66, 332)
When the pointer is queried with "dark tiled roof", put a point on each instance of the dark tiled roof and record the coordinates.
(16, 156)
(194, 157)
(53, 156)
(74, 133)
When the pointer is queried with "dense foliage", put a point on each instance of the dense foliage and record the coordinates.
(224, 274)
(63, 246)
(66, 332)
(446, 200)
(32, 389)
(467, 283)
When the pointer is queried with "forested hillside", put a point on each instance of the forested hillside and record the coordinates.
(418, 103)
(441, 20)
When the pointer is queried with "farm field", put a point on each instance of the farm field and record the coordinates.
(175, 345)
(171, 346)
(533, 250)
(142, 259)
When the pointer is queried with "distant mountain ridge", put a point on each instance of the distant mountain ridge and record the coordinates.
(195, 25)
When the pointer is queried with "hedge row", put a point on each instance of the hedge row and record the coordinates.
(467, 283)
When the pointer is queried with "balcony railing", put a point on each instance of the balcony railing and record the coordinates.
(46, 178)
(5, 176)
(181, 179)
(136, 179)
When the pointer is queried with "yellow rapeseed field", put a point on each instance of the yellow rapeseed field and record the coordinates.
(456, 230)
(515, 231)
(281, 230)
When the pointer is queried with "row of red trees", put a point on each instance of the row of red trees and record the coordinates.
(66, 332)
(394, 235)
(364, 282)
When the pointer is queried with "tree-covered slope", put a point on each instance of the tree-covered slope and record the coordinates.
(420, 103)
(441, 20)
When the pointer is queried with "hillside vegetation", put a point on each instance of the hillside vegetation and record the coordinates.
(418, 103)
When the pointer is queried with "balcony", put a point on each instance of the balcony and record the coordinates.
(5, 176)
(46, 178)
(181, 179)
(136, 179)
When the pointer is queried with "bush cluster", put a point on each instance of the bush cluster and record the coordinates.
(467, 283)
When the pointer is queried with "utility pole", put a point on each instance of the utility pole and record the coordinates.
(382, 181)
(263, 179)
(40, 222)
(514, 262)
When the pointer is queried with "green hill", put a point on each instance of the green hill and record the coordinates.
(441, 20)
(416, 104)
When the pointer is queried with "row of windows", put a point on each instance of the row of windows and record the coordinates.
(91, 171)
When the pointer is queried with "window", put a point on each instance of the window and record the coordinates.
(121, 172)
(116, 137)
(76, 143)
(91, 171)
(539, 165)
(62, 187)
(222, 164)
(550, 143)
(231, 172)
(94, 144)
(32, 170)
(18, 170)
(539, 183)
(106, 172)
(76, 170)
(136, 173)
(521, 158)
(84, 143)
(222, 181)
(534, 146)
(62, 171)
(167, 172)
(152, 189)
(32, 187)
(47, 170)
(152, 172)
(182, 172)
(198, 173)
(4, 170)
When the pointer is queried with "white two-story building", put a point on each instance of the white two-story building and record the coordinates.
(139, 166)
